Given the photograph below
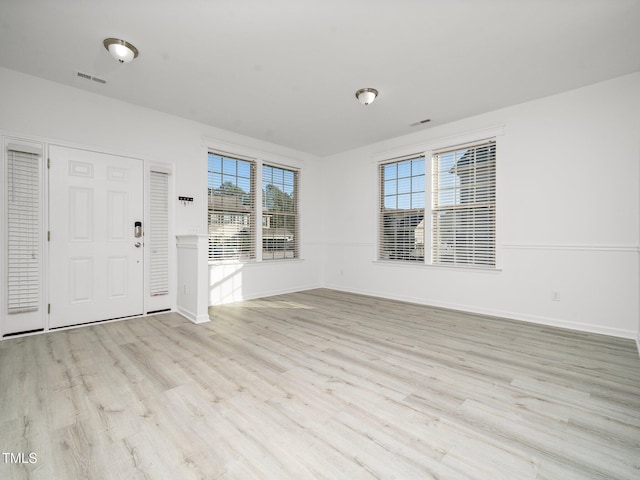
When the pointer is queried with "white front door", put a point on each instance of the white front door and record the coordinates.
(96, 259)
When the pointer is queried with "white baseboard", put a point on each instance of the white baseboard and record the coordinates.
(192, 316)
(552, 322)
(202, 319)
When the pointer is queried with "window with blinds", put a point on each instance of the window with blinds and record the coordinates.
(23, 230)
(158, 233)
(402, 206)
(231, 208)
(279, 213)
(464, 206)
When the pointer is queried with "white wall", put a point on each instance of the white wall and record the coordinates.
(569, 185)
(568, 208)
(36, 108)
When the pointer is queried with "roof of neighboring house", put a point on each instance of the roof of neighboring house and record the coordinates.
(276, 233)
(228, 203)
(483, 153)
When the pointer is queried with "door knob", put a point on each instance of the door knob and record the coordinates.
(137, 244)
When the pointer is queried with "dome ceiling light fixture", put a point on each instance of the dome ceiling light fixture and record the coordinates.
(121, 50)
(366, 95)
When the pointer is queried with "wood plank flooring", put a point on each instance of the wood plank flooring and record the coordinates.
(320, 385)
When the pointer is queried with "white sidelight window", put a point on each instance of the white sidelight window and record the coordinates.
(24, 221)
(159, 234)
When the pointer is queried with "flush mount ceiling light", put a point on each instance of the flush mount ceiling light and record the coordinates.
(122, 51)
(366, 95)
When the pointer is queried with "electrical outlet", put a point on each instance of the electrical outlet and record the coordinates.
(555, 296)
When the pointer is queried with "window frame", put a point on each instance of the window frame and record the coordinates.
(258, 159)
(229, 250)
(405, 244)
(428, 149)
(266, 214)
(470, 201)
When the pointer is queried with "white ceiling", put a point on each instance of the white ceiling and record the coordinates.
(286, 71)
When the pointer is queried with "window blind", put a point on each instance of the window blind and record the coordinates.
(231, 208)
(402, 204)
(280, 222)
(159, 234)
(23, 230)
(464, 206)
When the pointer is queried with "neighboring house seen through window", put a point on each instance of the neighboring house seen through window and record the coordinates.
(231, 186)
(464, 206)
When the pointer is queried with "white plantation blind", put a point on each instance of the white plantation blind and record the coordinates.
(159, 234)
(464, 206)
(402, 205)
(23, 230)
(280, 222)
(231, 209)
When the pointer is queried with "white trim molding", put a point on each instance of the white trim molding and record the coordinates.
(247, 153)
(192, 301)
(428, 146)
(192, 316)
(504, 314)
(573, 247)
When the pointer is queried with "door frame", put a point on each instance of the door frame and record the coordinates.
(150, 304)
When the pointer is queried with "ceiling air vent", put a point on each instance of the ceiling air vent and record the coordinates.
(86, 76)
(421, 122)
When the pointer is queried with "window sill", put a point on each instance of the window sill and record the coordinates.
(279, 261)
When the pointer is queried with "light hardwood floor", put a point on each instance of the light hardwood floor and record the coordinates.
(321, 385)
